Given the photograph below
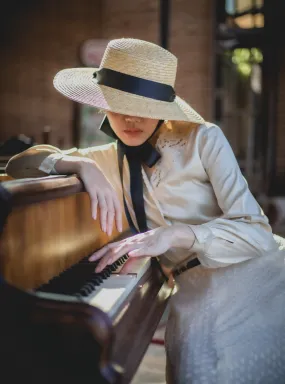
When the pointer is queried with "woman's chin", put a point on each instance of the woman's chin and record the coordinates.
(133, 143)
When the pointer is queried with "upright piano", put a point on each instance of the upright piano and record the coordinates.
(60, 322)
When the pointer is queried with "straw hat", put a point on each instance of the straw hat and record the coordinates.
(135, 78)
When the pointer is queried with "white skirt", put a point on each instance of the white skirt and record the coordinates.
(227, 325)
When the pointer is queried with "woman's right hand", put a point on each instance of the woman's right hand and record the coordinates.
(102, 196)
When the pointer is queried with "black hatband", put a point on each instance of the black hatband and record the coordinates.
(134, 85)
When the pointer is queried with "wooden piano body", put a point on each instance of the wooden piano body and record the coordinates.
(59, 339)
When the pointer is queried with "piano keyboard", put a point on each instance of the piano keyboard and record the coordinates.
(106, 290)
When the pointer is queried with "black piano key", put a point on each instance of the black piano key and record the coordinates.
(74, 279)
(104, 275)
(95, 280)
(82, 293)
(100, 279)
(90, 288)
(69, 280)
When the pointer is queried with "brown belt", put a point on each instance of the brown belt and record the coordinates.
(191, 264)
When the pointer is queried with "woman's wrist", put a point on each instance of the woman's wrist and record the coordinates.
(83, 165)
(73, 164)
(182, 236)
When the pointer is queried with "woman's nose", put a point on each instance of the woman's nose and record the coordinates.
(133, 119)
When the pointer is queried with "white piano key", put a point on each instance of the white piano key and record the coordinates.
(113, 291)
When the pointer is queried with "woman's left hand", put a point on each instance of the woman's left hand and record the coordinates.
(151, 243)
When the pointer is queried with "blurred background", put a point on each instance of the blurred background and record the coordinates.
(231, 69)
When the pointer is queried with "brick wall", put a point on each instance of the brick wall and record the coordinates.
(138, 19)
(47, 39)
(280, 130)
(192, 42)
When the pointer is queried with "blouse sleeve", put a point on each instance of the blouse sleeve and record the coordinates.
(39, 161)
(243, 231)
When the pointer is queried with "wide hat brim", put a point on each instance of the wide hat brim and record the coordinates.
(80, 85)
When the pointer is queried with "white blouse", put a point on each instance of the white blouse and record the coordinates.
(197, 182)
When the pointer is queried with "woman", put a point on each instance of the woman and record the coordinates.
(183, 191)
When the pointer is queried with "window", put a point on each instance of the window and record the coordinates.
(245, 14)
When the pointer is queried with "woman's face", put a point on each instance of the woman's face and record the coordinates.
(132, 130)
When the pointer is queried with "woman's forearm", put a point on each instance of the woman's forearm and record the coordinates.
(72, 164)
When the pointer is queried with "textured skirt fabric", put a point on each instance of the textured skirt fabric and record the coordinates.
(227, 325)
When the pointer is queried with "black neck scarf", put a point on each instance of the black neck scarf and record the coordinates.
(136, 156)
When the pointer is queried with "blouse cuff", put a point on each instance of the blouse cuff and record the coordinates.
(205, 242)
(203, 239)
(49, 162)
(203, 236)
